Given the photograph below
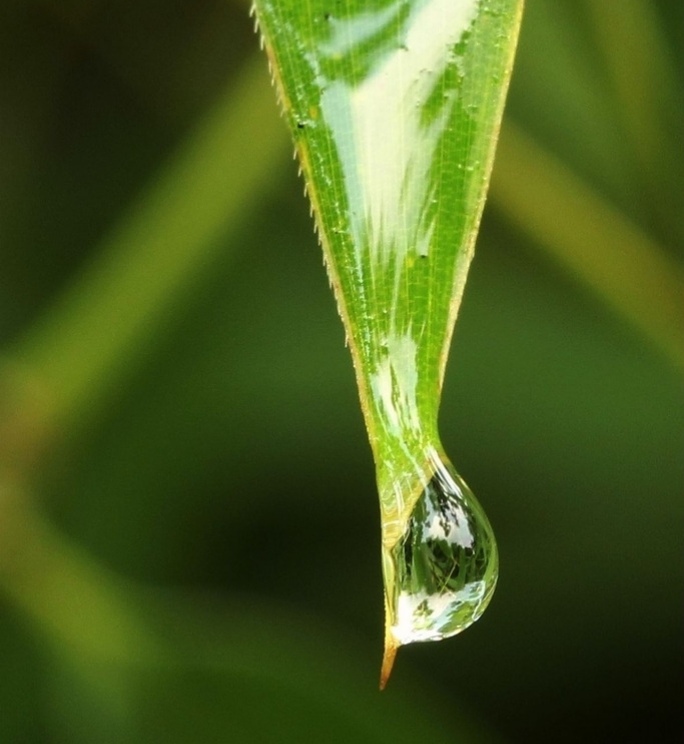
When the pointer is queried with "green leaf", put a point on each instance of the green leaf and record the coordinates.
(395, 108)
(172, 233)
(597, 243)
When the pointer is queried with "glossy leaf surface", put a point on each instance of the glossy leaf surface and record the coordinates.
(395, 108)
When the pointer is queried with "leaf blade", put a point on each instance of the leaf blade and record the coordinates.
(395, 109)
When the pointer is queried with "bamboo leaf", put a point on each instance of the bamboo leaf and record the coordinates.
(395, 107)
(81, 347)
(628, 269)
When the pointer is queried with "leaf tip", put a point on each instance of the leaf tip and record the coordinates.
(390, 654)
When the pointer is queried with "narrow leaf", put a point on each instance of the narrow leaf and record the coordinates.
(395, 107)
(81, 347)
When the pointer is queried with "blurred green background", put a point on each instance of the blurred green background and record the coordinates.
(189, 531)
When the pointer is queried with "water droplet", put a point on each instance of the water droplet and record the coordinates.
(444, 565)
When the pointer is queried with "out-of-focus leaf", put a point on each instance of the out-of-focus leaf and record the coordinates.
(156, 252)
(597, 243)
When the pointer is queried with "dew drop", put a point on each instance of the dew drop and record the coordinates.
(444, 565)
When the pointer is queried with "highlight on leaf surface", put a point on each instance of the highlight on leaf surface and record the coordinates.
(395, 107)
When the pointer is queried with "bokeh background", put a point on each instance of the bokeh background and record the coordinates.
(189, 532)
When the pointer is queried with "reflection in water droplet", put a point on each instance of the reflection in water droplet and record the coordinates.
(445, 564)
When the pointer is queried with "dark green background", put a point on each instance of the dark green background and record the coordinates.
(226, 473)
